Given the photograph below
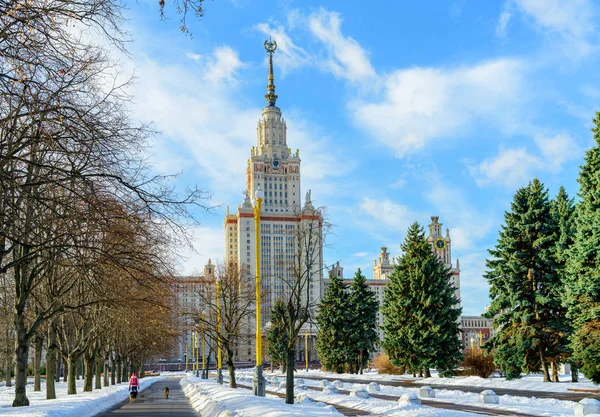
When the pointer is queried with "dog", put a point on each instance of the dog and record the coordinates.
(166, 393)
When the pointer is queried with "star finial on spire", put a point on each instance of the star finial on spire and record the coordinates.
(270, 47)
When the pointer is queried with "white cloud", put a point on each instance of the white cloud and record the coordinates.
(387, 213)
(347, 59)
(572, 20)
(208, 243)
(289, 55)
(503, 23)
(420, 105)
(223, 66)
(516, 166)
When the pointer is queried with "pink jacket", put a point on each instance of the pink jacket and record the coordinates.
(133, 381)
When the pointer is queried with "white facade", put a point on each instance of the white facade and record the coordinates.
(274, 168)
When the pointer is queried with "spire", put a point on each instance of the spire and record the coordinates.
(270, 47)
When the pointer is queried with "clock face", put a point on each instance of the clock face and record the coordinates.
(275, 163)
(440, 244)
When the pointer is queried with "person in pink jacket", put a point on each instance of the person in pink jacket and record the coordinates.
(134, 386)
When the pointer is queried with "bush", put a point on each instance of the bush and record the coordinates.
(383, 365)
(478, 362)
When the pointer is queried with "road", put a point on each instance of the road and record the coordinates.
(152, 403)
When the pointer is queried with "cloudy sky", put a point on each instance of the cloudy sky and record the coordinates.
(401, 111)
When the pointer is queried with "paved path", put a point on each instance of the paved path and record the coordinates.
(152, 403)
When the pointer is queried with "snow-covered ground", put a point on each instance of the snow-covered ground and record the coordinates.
(519, 404)
(527, 383)
(214, 400)
(82, 404)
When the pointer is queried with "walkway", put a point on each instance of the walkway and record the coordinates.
(152, 403)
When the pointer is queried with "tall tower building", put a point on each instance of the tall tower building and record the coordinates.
(442, 247)
(274, 168)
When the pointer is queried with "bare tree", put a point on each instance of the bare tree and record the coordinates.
(236, 294)
(306, 268)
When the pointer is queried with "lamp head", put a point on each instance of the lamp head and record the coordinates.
(259, 193)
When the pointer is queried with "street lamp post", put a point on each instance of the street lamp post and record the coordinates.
(306, 349)
(258, 382)
(219, 361)
(186, 356)
(197, 362)
(204, 370)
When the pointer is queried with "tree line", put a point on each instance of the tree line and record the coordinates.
(86, 229)
(543, 276)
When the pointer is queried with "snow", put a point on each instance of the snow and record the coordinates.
(546, 407)
(210, 399)
(532, 382)
(82, 404)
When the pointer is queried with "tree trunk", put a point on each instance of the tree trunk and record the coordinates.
(231, 369)
(72, 374)
(119, 370)
(8, 359)
(125, 376)
(98, 379)
(427, 373)
(360, 362)
(37, 362)
(58, 367)
(574, 372)
(554, 367)
(51, 364)
(65, 363)
(289, 377)
(106, 369)
(21, 356)
(420, 373)
(88, 377)
(544, 367)
(113, 370)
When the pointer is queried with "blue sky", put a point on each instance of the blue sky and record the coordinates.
(401, 111)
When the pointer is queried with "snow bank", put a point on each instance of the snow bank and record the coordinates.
(214, 400)
(83, 404)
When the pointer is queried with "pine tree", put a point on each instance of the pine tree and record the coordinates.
(363, 322)
(583, 266)
(277, 334)
(334, 321)
(563, 214)
(419, 309)
(524, 284)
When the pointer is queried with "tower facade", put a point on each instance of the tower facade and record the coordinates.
(289, 227)
(442, 247)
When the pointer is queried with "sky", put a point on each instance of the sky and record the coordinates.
(401, 111)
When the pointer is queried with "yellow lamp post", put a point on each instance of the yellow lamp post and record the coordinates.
(219, 362)
(197, 358)
(306, 349)
(186, 357)
(258, 382)
(204, 370)
(193, 351)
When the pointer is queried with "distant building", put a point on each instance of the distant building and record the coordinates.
(382, 267)
(187, 304)
(275, 169)
(476, 330)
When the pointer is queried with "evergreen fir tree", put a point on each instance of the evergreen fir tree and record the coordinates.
(277, 334)
(419, 309)
(563, 213)
(583, 266)
(524, 284)
(363, 322)
(333, 321)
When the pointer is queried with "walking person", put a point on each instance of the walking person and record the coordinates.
(134, 387)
